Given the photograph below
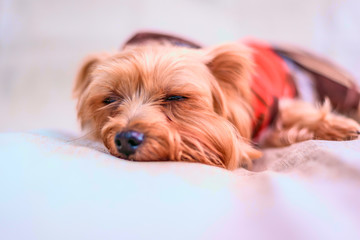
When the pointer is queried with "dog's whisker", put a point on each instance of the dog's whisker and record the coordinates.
(80, 138)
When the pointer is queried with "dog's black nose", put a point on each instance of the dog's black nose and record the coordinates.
(128, 141)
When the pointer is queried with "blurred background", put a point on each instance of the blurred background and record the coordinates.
(42, 42)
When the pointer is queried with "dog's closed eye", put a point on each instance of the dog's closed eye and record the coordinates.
(110, 100)
(175, 98)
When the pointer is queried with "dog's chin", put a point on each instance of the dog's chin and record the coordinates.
(143, 154)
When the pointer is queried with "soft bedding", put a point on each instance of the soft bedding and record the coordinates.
(56, 186)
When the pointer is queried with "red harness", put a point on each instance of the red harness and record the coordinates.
(271, 80)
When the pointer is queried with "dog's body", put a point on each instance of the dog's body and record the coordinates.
(163, 98)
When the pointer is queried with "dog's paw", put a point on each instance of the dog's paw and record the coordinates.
(338, 128)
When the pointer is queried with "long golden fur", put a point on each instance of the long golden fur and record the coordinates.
(210, 123)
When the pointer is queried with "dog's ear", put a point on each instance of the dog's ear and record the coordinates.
(83, 77)
(232, 66)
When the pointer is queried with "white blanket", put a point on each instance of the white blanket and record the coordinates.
(53, 186)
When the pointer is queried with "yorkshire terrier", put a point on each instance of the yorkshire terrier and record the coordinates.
(164, 98)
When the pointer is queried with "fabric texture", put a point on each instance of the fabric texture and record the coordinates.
(271, 81)
(329, 80)
(57, 186)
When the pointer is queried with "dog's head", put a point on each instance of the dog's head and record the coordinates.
(165, 103)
